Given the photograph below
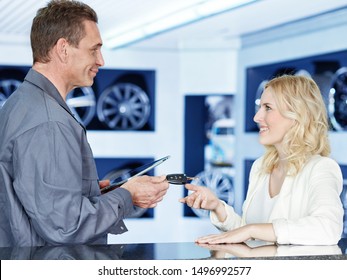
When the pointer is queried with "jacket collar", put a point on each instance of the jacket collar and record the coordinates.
(48, 88)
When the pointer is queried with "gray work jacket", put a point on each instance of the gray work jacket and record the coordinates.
(49, 191)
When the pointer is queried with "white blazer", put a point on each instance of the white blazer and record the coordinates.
(308, 210)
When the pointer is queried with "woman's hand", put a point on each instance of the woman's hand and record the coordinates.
(204, 198)
(238, 235)
(257, 231)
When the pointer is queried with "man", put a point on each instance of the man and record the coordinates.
(49, 189)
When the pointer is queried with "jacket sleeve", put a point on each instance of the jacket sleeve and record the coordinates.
(63, 202)
(321, 220)
(232, 221)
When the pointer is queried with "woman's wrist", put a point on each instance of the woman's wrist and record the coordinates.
(220, 211)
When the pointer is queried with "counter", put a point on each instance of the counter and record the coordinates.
(176, 251)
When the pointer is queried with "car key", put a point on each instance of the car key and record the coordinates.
(178, 179)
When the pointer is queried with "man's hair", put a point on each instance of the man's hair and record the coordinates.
(299, 99)
(59, 19)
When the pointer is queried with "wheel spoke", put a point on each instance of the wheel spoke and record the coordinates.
(81, 101)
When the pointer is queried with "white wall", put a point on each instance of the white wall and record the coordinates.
(208, 72)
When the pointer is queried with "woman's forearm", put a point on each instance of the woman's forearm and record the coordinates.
(263, 232)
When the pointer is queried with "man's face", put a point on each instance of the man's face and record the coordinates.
(86, 59)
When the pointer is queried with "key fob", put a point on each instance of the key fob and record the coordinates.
(177, 179)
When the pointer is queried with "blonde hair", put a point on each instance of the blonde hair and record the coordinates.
(299, 98)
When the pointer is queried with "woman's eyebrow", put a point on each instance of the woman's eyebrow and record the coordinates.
(265, 103)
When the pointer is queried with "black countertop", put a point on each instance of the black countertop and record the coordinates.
(175, 251)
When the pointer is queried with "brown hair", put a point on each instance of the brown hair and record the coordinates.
(59, 19)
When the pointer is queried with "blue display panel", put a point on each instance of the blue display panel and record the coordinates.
(118, 99)
(209, 146)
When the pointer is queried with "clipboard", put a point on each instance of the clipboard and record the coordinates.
(116, 183)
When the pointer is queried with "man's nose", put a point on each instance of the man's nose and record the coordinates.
(100, 59)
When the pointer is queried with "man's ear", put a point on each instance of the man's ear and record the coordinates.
(62, 47)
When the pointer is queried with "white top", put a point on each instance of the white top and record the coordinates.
(308, 209)
(259, 211)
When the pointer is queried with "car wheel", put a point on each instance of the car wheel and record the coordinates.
(123, 106)
(337, 108)
(7, 87)
(81, 102)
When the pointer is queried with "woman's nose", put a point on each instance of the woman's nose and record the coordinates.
(257, 116)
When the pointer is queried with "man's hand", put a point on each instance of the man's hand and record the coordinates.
(147, 191)
(104, 183)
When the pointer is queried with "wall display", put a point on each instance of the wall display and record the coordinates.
(112, 168)
(209, 145)
(328, 70)
(118, 99)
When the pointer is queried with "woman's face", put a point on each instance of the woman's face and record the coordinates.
(273, 126)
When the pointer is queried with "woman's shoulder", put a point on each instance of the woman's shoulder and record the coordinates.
(323, 163)
(321, 160)
(257, 165)
(258, 162)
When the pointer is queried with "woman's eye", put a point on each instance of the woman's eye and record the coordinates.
(267, 108)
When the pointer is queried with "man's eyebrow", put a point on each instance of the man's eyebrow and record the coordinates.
(97, 45)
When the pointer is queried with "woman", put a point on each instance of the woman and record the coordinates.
(294, 189)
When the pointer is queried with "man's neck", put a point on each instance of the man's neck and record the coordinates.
(54, 75)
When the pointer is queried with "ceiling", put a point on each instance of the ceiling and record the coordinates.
(223, 29)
